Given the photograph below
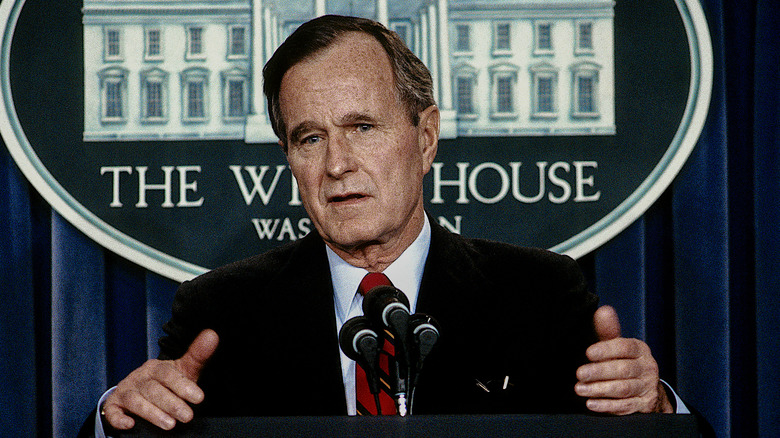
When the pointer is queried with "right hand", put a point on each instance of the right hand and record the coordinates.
(159, 390)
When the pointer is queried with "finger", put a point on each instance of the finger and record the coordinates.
(611, 389)
(134, 402)
(615, 407)
(167, 401)
(199, 353)
(117, 418)
(612, 370)
(620, 348)
(170, 376)
(652, 401)
(606, 323)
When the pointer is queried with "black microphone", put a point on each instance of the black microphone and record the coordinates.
(388, 307)
(359, 342)
(423, 333)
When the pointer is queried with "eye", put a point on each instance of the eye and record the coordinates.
(311, 140)
(364, 127)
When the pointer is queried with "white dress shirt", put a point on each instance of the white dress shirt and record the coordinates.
(405, 273)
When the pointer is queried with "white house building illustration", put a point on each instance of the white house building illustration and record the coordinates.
(190, 69)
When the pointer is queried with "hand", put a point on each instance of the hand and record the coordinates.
(622, 376)
(159, 390)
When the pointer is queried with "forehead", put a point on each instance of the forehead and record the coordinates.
(356, 63)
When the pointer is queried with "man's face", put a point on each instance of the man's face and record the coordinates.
(357, 157)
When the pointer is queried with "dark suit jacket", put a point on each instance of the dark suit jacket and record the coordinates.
(503, 311)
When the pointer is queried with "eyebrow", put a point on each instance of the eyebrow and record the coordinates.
(297, 132)
(350, 118)
(356, 117)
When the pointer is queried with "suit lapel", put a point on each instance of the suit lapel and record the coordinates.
(449, 292)
(308, 290)
(449, 279)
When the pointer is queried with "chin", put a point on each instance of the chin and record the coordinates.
(352, 239)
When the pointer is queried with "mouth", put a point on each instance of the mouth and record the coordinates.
(346, 198)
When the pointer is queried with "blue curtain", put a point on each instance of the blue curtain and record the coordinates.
(696, 276)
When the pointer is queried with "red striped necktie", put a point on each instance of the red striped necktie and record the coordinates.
(366, 403)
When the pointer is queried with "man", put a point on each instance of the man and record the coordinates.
(354, 112)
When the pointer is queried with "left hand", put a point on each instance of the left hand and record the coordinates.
(622, 376)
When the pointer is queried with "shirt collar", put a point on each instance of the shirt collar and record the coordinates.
(405, 273)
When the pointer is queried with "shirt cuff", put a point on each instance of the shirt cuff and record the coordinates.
(679, 406)
(99, 431)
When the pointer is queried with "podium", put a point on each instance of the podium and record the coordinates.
(426, 426)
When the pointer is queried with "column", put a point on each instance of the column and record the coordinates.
(424, 40)
(258, 57)
(381, 12)
(449, 125)
(444, 56)
(268, 27)
(434, 49)
(319, 8)
(417, 39)
(258, 127)
(274, 38)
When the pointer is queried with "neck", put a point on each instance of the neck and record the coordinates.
(377, 256)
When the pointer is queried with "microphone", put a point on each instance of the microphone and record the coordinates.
(359, 342)
(424, 333)
(388, 307)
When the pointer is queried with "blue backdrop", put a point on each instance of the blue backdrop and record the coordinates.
(696, 276)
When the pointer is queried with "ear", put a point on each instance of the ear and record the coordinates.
(428, 135)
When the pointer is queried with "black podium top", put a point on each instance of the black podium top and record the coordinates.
(454, 426)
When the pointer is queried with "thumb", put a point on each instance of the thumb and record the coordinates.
(606, 323)
(199, 353)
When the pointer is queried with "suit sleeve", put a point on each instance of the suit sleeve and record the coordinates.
(187, 320)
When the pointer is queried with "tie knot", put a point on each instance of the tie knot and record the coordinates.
(372, 280)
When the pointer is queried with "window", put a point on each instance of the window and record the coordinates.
(113, 95)
(504, 78)
(544, 84)
(195, 99)
(236, 98)
(113, 44)
(502, 38)
(544, 94)
(238, 42)
(464, 84)
(154, 100)
(403, 31)
(195, 95)
(543, 40)
(585, 95)
(584, 41)
(504, 95)
(235, 94)
(465, 95)
(462, 38)
(114, 100)
(154, 96)
(153, 44)
(195, 42)
(585, 100)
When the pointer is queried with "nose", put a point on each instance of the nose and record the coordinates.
(339, 158)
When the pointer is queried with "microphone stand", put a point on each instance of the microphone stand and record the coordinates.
(401, 394)
(424, 334)
(398, 322)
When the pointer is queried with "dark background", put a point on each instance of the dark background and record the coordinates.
(696, 276)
